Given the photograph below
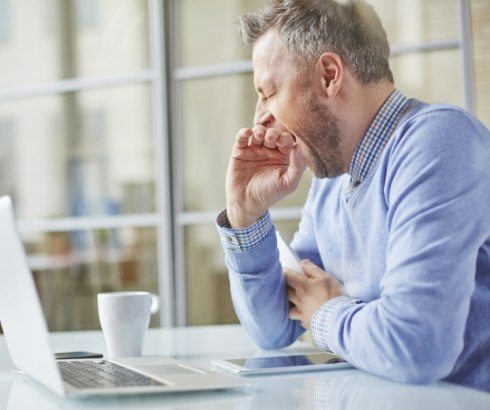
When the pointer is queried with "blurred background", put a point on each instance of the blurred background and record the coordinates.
(116, 122)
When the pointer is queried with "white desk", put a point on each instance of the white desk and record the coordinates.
(340, 389)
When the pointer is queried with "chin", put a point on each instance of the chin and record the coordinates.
(321, 172)
(318, 172)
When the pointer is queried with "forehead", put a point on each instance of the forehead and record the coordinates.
(268, 60)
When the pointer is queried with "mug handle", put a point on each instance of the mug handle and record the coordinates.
(155, 303)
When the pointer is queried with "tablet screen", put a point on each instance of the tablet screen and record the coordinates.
(287, 361)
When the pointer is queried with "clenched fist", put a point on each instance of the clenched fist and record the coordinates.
(265, 166)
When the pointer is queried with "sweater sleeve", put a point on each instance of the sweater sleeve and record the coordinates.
(258, 289)
(257, 284)
(438, 193)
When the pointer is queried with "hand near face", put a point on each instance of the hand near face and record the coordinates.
(265, 166)
(307, 293)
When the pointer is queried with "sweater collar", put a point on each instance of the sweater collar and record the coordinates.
(377, 136)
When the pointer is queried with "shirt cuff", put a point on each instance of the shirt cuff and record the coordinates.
(243, 239)
(322, 318)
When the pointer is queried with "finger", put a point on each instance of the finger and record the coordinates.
(293, 279)
(292, 295)
(242, 137)
(310, 269)
(271, 137)
(294, 313)
(258, 134)
(285, 142)
(297, 165)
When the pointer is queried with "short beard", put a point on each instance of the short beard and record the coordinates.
(321, 134)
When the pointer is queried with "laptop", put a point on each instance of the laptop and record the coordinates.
(26, 335)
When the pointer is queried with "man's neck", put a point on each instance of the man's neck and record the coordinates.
(362, 104)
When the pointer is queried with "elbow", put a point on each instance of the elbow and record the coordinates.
(418, 353)
(421, 369)
(267, 345)
(276, 338)
(418, 376)
(272, 344)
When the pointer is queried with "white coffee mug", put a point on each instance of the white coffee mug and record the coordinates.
(124, 318)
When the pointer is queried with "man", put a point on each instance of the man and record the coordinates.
(395, 233)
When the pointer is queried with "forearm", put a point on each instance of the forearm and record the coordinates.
(408, 343)
(259, 295)
(257, 285)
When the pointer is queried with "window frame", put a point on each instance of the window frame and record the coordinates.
(156, 77)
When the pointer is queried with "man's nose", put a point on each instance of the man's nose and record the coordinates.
(264, 118)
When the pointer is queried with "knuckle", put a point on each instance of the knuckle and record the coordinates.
(272, 132)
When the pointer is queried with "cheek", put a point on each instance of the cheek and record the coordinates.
(289, 121)
(284, 112)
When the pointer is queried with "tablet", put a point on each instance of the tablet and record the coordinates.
(287, 257)
(282, 364)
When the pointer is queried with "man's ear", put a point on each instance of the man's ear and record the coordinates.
(330, 70)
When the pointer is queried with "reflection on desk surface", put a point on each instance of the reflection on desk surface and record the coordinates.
(25, 392)
(335, 390)
(356, 390)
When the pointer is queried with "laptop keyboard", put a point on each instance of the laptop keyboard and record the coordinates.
(100, 373)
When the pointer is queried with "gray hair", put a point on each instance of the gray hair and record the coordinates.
(309, 28)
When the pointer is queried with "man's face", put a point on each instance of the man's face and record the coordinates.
(287, 101)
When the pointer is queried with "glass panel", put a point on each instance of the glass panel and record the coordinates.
(418, 21)
(209, 131)
(70, 38)
(208, 290)
(480, 12)
(111, 37)
(204, 24)
(76, 154)
(4, 20)
(432, 77)
(207, 31)
(287, 229)
(70, 268)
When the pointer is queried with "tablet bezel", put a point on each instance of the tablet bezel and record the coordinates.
(234, 368)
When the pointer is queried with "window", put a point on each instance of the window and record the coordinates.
(4, 20)
(89, 157)
(480, 15)
(87, 13)
(7, 156)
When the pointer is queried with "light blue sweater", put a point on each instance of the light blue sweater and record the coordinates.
(412, 242)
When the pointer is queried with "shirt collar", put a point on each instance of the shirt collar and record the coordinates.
(377, 135)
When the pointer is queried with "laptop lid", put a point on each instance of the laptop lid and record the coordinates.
(21, 314)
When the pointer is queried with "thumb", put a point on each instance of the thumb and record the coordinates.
(297, 164)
